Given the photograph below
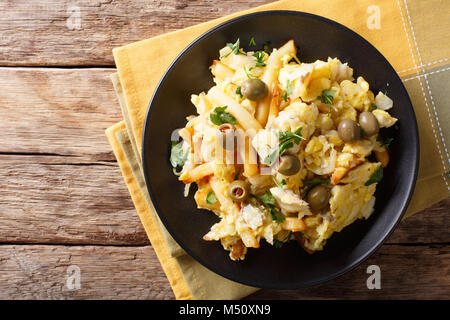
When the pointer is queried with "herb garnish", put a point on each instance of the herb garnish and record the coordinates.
(289, 90)
(279, 184)
(239, 92)
(259, 55)
(278, 244)
(267, 49)
(385, 143)
(315, 182)
(276, 215)
(236, 177)
(250, 76)
(219, 116)
(362, 132)
(287, 140)
(269, 202)
(376, 177)
(327, 96)
(211, 198)
(252, 42)
(177, 155)
(373, 106)
(271, 157)
(312, 183)
(267, 198)
(235, 48)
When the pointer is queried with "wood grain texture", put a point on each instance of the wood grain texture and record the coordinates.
(428, 226)
(57, 111)
(49, 199)
(40, 272)
(37, 32)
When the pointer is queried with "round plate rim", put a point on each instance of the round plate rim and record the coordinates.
(356, 262)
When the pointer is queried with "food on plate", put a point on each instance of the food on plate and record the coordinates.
(281, 149)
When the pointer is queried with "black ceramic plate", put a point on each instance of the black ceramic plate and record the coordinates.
(290, 266)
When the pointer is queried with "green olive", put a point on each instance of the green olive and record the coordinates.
(369, 123)
(349, 130)
(226, 136)
(318, 197)
(239, 190)
(254, 89)
(289, 165)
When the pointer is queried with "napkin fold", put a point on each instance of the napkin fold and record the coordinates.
(397, 28)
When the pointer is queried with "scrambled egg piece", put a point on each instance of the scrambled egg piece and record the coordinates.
(356, 94)
(384, 119)
(350, 201)
(320, 155)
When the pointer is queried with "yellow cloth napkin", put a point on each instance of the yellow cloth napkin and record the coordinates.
(401, 30)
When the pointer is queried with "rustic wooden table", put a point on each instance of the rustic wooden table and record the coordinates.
(63, 200)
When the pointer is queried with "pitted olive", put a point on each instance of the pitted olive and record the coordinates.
(289, 165)
(239, 190)
(318, 197)
(369, 123)
(349, 130)
(254, 89)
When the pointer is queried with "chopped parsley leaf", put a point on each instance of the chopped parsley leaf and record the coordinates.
(219, 116)
(235, 48)
(277, 243)
(267, 198)
(236, 177)
(279, 184)
(250, 76)
(289, 90)
(269, 202)
(376, 177)
(327, 96)
(276, 215)
(239, 92)
(211, 198)
(362, 132)
(287, 140)
(259, 55)
(267, 49)
(386, 143)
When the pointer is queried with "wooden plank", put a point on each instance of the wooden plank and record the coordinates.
(48, 32)
(428, 226)
(57, 111)
(41, 272)
(107, 272)
(47, 200)
(70, 200)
